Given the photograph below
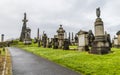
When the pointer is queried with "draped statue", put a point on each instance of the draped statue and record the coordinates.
(98, 12)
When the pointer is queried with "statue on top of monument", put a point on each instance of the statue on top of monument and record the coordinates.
(98, 12)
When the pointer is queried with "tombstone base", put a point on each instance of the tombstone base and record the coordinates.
(27, 42)
(83, 48)
(100, 47)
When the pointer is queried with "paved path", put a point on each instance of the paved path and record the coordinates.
(25, 63)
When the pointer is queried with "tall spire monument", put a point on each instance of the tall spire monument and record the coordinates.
(24, 27)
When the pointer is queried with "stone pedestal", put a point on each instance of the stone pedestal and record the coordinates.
(100, 44)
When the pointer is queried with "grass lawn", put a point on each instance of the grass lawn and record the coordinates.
(82, 62)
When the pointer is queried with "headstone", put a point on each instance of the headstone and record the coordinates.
(66, 43)
(69, 39)
(39, 42)
(91, 38)
(100, 44)
(44, 40)
(27, 39)
(76, 39)
(55, 43)
(38, 35)
(72, 39)
(83, 41)
(118, 39)
(60, 32)
(2, 38)
(35, 40)
(115, 42)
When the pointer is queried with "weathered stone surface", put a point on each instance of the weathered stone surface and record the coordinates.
(91, 38)
(2, 38)
(60, 32)
(66, 44)
(100, 44)
(55, 42)
(26, 32)
(44, 40)
(83, 41)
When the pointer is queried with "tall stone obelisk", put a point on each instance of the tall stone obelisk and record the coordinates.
(100, 44)
(24, 27)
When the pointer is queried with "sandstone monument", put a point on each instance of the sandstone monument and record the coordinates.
(60, 32)
(83, 41)
(100, 44)
(116, 40)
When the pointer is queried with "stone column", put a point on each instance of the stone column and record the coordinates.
(100, 44)
(2, 38)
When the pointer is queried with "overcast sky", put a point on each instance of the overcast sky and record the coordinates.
(49, 14)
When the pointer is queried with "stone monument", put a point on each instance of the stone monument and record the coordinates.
(69, 38)
(60, 32)
(38, 34)
(100, 44)
(76, 39)
(26, 32)
(83, 40)
(66, 43)
(44, 40)
(55, 42)
(115, 42)
(22, 36)
(27, 39)
(2, 38)
(91, 38)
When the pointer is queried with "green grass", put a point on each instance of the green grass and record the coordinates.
(2, 52)
(82, 62)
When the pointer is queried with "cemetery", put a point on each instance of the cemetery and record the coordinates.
(86, 52)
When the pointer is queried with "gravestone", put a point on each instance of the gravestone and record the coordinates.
(69, 38)
(91, 38)
(2, 38)
(115, 42)
(60, 32)
(76, 39)
(83, 40)
(39, 42)
(22, 36)
(35, 40)
(100, 44)
(66, 44)
(38, 35)
(44, 40)
(48, 42)
(118, 39)
(55, 43)
(72, 41)
(27, 39)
